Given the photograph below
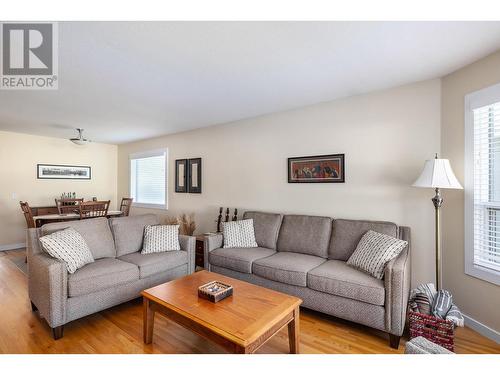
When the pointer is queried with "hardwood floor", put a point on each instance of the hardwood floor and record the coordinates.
(119, 329)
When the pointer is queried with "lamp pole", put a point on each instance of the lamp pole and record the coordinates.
(437, 200)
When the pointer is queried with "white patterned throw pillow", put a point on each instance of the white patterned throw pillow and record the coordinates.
(374, 251)
(160, 238)
(69, 246)
(239, 234)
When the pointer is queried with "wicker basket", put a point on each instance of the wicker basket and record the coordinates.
(434, 329)
(215, 291)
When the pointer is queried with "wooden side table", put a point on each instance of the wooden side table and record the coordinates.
(200, 251)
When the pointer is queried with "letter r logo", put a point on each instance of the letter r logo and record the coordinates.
(27, 49)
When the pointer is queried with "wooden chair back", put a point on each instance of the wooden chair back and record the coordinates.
(28, 215)
(68, 205)
(93, 209)
(125, 206)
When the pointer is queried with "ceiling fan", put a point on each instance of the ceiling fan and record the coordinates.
(80, 141)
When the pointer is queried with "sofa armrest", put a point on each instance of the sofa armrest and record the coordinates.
(48, 287)
(211, 242)
(397, 277)
(188, 243)
(32, 241)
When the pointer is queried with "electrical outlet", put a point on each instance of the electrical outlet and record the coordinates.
(13, 196)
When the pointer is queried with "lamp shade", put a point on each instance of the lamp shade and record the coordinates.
(437, 173)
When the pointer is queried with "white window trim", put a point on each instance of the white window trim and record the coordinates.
(145, 154)
(473, 100)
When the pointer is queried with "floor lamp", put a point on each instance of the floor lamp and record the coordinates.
(437, 174)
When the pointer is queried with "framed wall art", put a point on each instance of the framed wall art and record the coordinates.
(181, 176)
(194, 176)
(322, 168)
(63, 172)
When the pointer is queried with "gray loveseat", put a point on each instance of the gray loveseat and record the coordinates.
(306, 256)
(120, 272)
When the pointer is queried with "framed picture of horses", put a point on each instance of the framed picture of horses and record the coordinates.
(322, 168)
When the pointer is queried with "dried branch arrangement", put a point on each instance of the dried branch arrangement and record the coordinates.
(169, 220)
(187, 224)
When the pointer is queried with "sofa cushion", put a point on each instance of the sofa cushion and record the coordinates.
(129, 232)
(102, 274)
(337, 278)
(305, 234)
(346, 235)
(238, 259)
(151, 264)
(95, 232)
(266, 227)
(285, 267)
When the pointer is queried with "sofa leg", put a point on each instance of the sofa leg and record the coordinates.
(57, 332)
(394, 341)
(33, 307)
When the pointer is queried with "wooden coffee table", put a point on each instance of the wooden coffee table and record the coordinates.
(241, 323)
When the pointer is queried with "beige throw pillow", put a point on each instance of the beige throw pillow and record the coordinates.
(374, 251)
(239, 234)
(160, 238)
(69, 246)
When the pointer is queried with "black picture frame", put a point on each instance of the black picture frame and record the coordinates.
(317, 169)
(63, 172)
(194, 176)
(181, 182)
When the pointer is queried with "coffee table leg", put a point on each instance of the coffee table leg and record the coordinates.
(149, 320)
(293, 332)
(240, 350)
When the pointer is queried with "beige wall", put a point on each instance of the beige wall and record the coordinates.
(386, 136)
(478, 299)
(19, 155)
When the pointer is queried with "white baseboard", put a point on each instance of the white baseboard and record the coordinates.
(482, 329)
(12, 246)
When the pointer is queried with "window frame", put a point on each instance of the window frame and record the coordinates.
(146, 154)
(477, 99)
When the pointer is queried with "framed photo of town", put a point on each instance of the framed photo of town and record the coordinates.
(63, 172)
(322, 168)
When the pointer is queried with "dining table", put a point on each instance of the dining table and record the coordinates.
(50, 218)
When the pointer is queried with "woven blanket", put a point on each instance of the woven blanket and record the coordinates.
(426, 300)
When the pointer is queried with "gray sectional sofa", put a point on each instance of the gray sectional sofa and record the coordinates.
(306, 256)
(120, 272)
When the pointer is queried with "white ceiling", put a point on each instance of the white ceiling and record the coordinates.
(124, 81)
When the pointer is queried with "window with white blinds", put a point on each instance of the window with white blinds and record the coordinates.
(148, 179)
(483, 195)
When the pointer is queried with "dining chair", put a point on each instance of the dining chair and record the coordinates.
(68, 205)
(125, 206)
(28, 215)
(93, 209)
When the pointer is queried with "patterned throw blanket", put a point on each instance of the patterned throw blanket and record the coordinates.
(426, 300)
